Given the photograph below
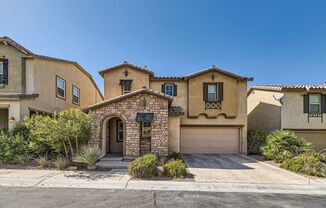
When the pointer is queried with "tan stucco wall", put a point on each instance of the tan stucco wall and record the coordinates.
(317, 138)
(41, 79)
(196, 105)
(15, 69)
(112, 79)
(293, 116)
(181, 98)
(264, 111)
(174, 134)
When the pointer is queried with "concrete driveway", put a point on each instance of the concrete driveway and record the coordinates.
(239, 169)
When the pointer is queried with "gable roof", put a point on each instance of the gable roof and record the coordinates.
(280, 88)
(219, 70)
(143, 90)
(126, 64)
(30, 54)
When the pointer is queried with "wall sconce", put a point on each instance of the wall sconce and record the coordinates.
(126, 73)
(213, 76)
(12, 120)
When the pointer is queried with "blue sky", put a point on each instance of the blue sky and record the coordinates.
(275, 41)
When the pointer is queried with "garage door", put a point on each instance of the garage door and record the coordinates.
(209, 140)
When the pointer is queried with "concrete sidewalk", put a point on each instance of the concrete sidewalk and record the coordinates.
(119, 179)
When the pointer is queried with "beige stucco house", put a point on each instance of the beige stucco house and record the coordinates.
(31, 83)
(300, 108)
(203, 112)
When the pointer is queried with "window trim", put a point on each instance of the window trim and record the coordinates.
(72, 99)
(216, 92)
(320, 103)
(122, 86)
(119, 140)
(169, 84)
(56, 87)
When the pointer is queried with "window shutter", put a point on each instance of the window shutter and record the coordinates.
(175, 90)
(323, 103)
(205, 91)
(305, 103)
(163, 88)
(5, 71)
(220, 87)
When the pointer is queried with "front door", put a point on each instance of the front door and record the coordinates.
(115, 136)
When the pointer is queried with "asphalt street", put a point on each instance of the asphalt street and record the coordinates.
(58, 197)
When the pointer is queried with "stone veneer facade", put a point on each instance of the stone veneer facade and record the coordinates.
(126, 109)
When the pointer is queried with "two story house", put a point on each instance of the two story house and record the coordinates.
(203, 112)
(300, 108)
(31, 83)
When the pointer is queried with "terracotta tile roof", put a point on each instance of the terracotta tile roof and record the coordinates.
(279, 88)
(166, 78)
(176, 111)
(125, 63)
(33, 55)
(128, 95)
(219, 70)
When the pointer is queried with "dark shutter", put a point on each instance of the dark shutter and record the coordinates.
(305, 103)
(5, 71)
(323, 103)
(205, 91)
(175, 90)
(220, 87)
(163, 88)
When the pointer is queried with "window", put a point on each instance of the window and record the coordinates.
(61, 88)
(75, 95)
(119, 131)
(3, 71)
(146, 130)
(315, 104)
(126, 86)
(169, 89)
(212, 92)
(1, 68)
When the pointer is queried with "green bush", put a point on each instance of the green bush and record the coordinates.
(311, 163)
(11, 146)
(43, 161)
(22, 159)
(256, 140)
(176, 156)
(61, 163)
(88, 155)
(175, 169)
(283, 145)
(144, 166)
(22, 130)
(62, 133)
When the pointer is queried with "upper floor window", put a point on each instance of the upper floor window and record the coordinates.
(314, 103)
(212, 92)
(3, 71)
(126, 86)
(169, 89)
(61, 88)
(75, 95)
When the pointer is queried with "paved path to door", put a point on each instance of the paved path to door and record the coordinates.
(241, 169)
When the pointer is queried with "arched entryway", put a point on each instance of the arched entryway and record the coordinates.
(113, 136)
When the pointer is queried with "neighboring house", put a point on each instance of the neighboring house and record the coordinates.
(31, 83)
(203, 112)
(300, 108)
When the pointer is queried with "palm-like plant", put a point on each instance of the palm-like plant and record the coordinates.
(89, 156)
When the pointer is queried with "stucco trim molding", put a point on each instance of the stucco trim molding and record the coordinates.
(212, 125)
(306, 130)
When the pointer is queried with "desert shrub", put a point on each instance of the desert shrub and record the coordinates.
(144, 166)
(43, 161)
(175, 156)
(11, 146)
(283, 145)
(61, 163)
(256, 140)
(62, 133)
(88, 155)
(175, 169)
(311, 163)
(22, 159)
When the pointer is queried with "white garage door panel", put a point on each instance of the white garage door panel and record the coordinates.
(209, 140)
